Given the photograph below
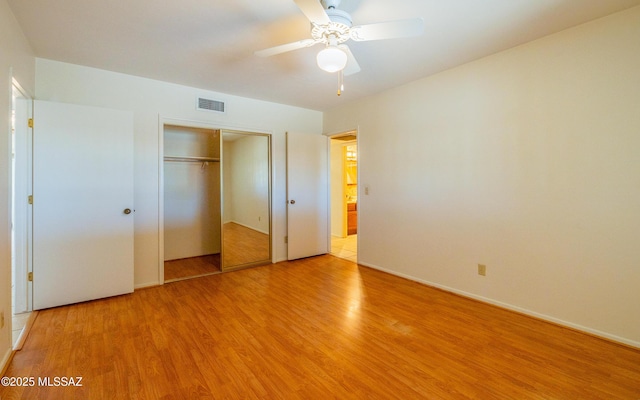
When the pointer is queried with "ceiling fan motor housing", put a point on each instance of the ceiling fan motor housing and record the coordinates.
(327, 4)
(339, 16)
(337, 29)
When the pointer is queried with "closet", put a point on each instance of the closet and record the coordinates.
(192, 202)
(216, 201)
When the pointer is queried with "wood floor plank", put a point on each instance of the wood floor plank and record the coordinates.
(242, 245)
(321, 327)
(192, 266)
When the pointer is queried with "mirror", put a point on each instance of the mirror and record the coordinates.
(246, 201)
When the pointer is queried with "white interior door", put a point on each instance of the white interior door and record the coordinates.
(82, 185)
(307, 195)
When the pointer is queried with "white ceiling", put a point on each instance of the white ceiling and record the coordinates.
(210, 44)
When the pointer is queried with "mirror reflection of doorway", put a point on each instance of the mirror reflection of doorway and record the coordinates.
(344, 196)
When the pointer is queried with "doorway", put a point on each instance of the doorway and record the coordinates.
(344, 195)
(21, 184)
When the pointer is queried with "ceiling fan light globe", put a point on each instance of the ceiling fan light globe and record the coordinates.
(331, 59)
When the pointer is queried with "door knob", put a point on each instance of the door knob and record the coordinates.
(292, 201)
(127, 211)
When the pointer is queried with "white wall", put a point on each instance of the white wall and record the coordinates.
(17, 61)
(527, 161)
(150, 100)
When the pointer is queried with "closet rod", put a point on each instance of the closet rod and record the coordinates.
(190, 159)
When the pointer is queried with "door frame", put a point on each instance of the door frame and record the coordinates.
(333, 135)
(187, 123)
(21, 211)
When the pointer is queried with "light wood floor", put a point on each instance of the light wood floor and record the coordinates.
(190, 267)
(242, 245)
(316, 328)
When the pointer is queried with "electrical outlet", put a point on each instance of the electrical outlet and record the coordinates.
(482, 269)
(1, 319)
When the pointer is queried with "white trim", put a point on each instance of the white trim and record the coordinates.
(24, 332)
(209, 125)
(547, 318)
(343, 132)
(23, 211)
(6, 358)
(246, 226)
(161, 124)
(147, 285)
(18, 86)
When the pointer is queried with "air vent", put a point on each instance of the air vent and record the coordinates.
(210, 105)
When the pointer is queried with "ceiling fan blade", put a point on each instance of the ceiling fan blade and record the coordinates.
(388, 30)
(352, 64)
(314, 11)
(283, 48)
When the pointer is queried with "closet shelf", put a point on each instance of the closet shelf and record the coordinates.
(190, 159)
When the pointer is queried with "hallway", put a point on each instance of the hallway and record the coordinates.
(346, 248)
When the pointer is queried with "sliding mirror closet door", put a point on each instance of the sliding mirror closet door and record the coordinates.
(246, 176)
(192, 202)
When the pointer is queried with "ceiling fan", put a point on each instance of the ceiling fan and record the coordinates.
(332, 27)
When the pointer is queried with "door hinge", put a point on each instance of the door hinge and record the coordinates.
(30, 199)
(30, 122)
(30, 277)
(286, 239)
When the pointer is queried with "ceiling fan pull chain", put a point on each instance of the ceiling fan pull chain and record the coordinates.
(340, 82)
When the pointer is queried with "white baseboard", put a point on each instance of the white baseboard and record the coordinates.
(253, 228)
(25, 331)
(593, 332)
(5, 360)
(145, 285)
